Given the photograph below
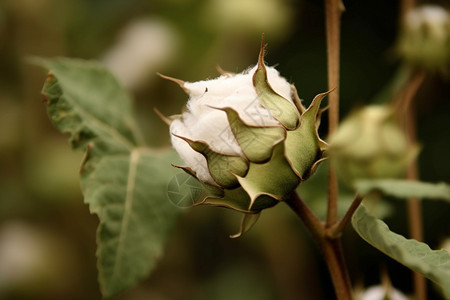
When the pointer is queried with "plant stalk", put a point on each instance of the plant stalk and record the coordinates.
(332, 251)
(314, 225)
(414, 205)
(333, 11)
(330, 247)
(405, 7)
(335, 231)
(404, 107)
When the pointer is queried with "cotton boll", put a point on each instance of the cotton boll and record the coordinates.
(425, 38)
(248, 16)
(445, 244)
(369, 144)
(279, 84)
(34, 261)
(203, 121)
(379, 292)
(143, 46)
(429, 15)
(191, 158)
(213, 128)
(237, 92)
(242, 133)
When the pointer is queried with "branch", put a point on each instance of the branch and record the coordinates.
(335, 231)
(311, 221)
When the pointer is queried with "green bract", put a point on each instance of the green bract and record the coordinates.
(246, 139)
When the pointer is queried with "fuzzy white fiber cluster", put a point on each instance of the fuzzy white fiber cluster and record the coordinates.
(202, 122)
(143, 46)
(435, 17)
(378, 292)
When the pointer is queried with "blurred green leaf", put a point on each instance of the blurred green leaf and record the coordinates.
(123, 182)
(405, 188)
(433, 264)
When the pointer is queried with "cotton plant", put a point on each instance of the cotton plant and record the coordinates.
(249, 143)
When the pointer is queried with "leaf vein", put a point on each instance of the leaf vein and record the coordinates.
(132, 171)
(104, 126)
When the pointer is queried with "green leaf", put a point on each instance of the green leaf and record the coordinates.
(433, 264)
(124, 183)
(92, 106)
(135, 214)
(405, 188)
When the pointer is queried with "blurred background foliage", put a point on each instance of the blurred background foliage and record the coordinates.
(47, 236)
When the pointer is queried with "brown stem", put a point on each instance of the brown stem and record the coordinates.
(405, 6)
(311, 221)
(332, 251)
(414, 209)
(403, 101)
(333, 10)
(332, 211)
(414, 206)
(335, 231)
(416, 232)
(331, 248)
(405, 110)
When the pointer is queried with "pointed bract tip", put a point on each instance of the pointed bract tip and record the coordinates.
(262, 40)
(223, 72)
(189, 141)
(247, 222)
(185, 169)
(162, 117)
(318, 98)
(50, 76)
(297, 100)
(261, 53)
(176, 80)
(224, 109)
(215, 107)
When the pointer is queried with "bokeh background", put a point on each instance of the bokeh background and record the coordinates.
(47, 236)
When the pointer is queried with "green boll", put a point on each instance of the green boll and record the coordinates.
(424, 40)
(369, 144)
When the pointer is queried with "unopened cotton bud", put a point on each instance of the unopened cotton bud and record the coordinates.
(270, 16)
(203, 121)
(380, 292)
(245, 138)
(425, 37)
(369, 145)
